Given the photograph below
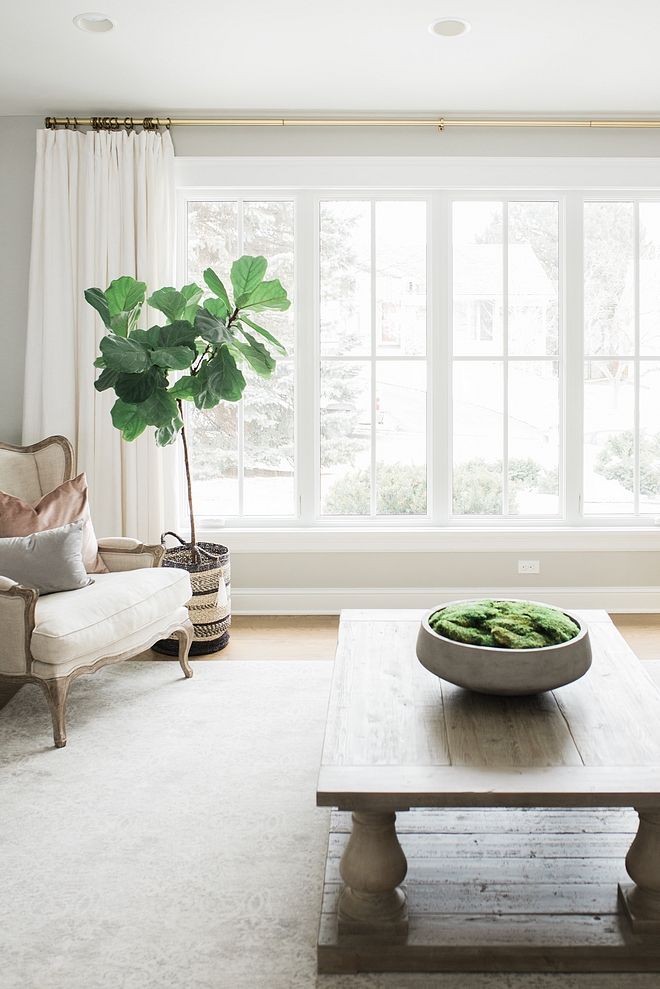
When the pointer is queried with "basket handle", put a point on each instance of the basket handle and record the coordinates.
(176, 536)
(203, 552)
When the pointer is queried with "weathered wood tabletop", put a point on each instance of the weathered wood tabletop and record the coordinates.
(397, 736)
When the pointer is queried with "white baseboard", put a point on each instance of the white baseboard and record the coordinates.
(331, 600)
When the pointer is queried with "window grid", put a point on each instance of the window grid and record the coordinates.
(571, 247)
(184, 264)
(374, 360)
(504, 359)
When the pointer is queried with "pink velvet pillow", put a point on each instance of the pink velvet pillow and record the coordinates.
(66, 503)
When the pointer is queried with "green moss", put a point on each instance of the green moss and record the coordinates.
(504, 624)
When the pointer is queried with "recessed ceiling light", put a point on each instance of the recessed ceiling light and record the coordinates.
(94, 23)
(450, 27)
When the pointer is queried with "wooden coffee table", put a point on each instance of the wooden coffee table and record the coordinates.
(518, 864)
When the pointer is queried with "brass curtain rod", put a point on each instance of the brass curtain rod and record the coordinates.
(153, 123)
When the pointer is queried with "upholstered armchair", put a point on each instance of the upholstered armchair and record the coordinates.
(52, 639)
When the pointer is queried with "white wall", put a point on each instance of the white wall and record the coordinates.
(633, 578)
(17, 150)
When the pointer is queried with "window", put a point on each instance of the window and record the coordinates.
(372, 268)
(622, 358)
(243, 455)
(506, 371)
(454, 358)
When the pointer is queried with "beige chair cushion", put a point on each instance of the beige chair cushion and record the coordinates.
(106, 617)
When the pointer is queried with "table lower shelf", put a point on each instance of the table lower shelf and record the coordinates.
(500, 890)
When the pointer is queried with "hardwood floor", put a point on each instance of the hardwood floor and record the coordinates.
(280, 637)
(641, 632)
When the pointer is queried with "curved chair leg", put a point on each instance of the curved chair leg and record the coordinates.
(56, 693)
(184, 635)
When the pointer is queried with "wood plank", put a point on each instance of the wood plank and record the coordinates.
(383, 710)
(512, 871)
(614, 711)
(508, 846)
(401, 787)
(490, 731)
(484, 897)
(518, 943)
(524, 821)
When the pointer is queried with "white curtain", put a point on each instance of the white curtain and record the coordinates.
(103, 207)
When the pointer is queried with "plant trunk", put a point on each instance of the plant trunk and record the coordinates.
(193, 533)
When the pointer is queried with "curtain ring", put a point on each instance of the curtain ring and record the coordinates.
(169, 123)
(75, 123)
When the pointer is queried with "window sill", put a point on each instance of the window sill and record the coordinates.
(345, 539)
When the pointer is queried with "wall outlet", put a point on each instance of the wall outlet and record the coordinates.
(529, 566)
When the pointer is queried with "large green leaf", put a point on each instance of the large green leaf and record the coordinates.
(106, 379)
(150, 339)
(224, 377)
(264, 333)
(217, 287)
(192, 294)
(210, 328)
(124, 294)
(267, 295)
(246, 273)
(125, 298)
(185, 387)
(178, 334)
(203, 394)
(218, 379)
(96, 298)
(218, 307)
(160, 409)
(136, 388)
(173, 358)
(128, 419)
(167, 434)
(122, 354)
(168, 301)
(256, 355)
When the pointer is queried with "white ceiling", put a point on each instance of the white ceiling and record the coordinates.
(222, 56)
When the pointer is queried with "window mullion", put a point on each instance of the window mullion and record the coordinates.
(636, 363)
(439, 267)
(372, 490)
(308, 369)
(240, 419)
(505, 360)
(573, 341)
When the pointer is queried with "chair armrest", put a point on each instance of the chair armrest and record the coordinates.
(121, 553)
(17, 604)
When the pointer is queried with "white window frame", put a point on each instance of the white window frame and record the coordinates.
(570, 181)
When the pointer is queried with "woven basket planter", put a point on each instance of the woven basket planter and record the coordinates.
(210, 605)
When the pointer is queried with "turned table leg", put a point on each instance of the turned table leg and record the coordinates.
(641, 899)
(372, 866)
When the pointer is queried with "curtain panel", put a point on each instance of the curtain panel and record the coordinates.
(104, 206)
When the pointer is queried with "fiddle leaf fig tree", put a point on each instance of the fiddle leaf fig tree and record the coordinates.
(205, 338)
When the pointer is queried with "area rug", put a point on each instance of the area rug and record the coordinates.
(175, 843)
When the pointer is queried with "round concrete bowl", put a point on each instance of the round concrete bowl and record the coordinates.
(511, 672)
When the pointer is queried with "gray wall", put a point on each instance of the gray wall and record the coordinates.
(17, 149)
(17, 139)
